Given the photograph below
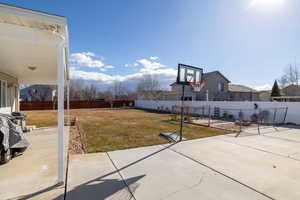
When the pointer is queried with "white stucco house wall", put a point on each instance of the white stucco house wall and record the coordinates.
(34, 50)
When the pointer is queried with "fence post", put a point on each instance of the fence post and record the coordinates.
(274, 117)
(286, 110)
(258, 129)
(241, 121)
(209, 116)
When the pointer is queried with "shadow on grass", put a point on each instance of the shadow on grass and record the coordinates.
(153, 111)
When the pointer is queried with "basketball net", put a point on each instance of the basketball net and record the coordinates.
(197, 86)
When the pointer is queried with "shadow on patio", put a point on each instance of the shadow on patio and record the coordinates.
(100, 189)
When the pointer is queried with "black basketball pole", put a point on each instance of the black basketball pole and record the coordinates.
(181, 120)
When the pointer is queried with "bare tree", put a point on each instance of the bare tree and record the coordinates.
(91, 92)
(79, 90)
(76, 89)
(291, 76)
(118, 91)
(109, 97)
(149, 88)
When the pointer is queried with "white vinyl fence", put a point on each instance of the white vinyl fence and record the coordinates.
(293, 112)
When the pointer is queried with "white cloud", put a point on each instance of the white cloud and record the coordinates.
(153, 58)
(109, 67)
(89, 54)
(263, 87)
(160, 74)
(88, 59)
(166, 76)
(149, 65)
(132, 65)
(85, 59)
(146, 63)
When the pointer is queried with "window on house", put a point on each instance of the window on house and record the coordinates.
(221, 87)
(3, 93)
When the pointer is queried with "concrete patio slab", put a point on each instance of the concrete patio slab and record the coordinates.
(292, 135)
(273, 175)
(215, 168)
(168, 175)
(93, 177)
(270, 144)
(34, 173)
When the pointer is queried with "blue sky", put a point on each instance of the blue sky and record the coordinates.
(250, 43)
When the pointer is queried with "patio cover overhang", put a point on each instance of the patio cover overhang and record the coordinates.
(34, 50)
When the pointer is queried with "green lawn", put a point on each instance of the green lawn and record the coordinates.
(113, 129)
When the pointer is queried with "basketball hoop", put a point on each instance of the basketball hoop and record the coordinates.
(197, 86)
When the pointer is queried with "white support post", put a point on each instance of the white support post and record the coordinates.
(68, 102)
(60, 107)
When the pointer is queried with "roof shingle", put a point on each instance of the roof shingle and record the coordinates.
(239, 88)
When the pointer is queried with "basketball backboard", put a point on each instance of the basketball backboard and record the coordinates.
(189, 74)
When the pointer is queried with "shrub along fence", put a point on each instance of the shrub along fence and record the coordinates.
(50, 105)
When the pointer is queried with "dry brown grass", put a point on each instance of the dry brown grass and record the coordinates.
(41, 118)
(112, 129)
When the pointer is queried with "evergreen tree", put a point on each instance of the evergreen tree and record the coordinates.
(275, 90)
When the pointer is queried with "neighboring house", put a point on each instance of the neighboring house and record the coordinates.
(265, 95)
(242, 93)
(216, 88)
(291, 90)
(189, 93)
(38, 93)
(289, 93)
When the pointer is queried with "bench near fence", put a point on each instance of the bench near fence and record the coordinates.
(50, 105)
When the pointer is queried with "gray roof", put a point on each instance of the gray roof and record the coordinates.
(240, 88)
(292, 86)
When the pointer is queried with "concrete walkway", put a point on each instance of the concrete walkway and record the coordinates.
(33, 174)
(216, 168)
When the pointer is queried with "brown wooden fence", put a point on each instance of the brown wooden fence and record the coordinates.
(50, 105)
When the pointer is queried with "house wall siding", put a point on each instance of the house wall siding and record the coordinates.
(212, 88)
(188, 92)
(211, 85)
(12, 93)
(292, 90)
